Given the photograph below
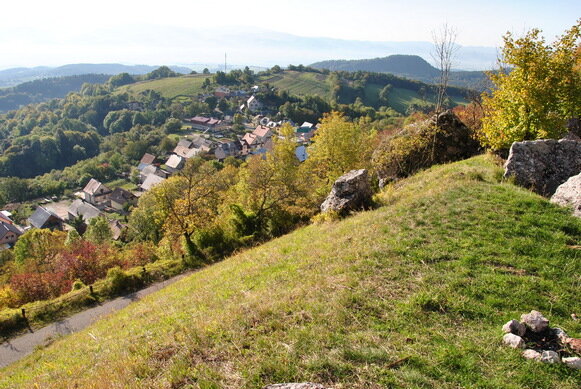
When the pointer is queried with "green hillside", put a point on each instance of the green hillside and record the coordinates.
(190, 85)
(301, 83)
(412, 294)
(413, 67)
(297, 83)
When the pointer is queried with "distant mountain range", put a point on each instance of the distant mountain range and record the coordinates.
(155, 44)
(15, 76)
(410, 66)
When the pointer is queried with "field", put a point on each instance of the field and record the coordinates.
(296, 83)
(301, 83)
(412, 294)
(172, 87)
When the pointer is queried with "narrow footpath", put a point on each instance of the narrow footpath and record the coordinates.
(19, 347)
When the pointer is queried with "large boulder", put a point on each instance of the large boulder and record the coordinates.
(543, 165)
(350, 192)
(440, 139)
(568, 194)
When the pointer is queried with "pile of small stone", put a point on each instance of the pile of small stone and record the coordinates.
(541, 342)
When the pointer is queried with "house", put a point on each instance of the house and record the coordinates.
(301, 153)
(227, 149)
(151, 181)
(186, 152)
(84, 209)
(175, 163)
(202, 143)
(120, 197)
(263, 133)
(9, 233)
(305, 132)
(222, 91)
(117, 229)
(95, 192)
(151, 169)
(261, 137)
(147, 159)
(253, 104)
(203, 123)
(43, 218)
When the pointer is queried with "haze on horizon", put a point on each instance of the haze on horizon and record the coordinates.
(185, 32)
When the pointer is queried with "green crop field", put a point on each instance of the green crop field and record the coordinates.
(410, 295)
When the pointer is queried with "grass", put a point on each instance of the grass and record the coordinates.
(430, 277)
(301, 83)
(172, 87)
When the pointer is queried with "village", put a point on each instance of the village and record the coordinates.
(210, 138)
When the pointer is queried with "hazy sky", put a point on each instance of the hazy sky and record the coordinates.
(65, 31)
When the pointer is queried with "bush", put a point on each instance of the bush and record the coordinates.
(443, 138)
(118, 279)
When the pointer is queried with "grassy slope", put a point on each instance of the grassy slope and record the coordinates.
(432, 275)
(297, 83)
(171, 87)
(300, 83)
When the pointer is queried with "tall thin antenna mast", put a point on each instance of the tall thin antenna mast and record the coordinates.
(225, 64)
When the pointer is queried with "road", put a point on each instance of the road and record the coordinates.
(19, 347)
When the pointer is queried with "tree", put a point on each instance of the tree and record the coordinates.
(536, 91)
(38, 247)
(190, 202)
(98, 231)
(444, 50)
(339, 146)
(272, 188)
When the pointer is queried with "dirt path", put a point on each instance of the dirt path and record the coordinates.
(17, 348)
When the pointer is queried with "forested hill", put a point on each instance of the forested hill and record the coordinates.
(48, 88)
(15, 76)
(409, 66)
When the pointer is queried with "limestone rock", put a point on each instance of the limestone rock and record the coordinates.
(350, 192)
(560, 334)
(440, 139)
(535, 321)
(574, 344)
(543, 165)
(532, 354)
(514, 327)
(513, 341)
(304, 385)
(550, 357)
(572, 362)
(568, 194)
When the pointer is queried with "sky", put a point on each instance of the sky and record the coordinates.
(57, 32)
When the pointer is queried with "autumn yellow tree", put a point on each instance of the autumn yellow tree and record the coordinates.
(271, 187)
(190, 201)
(339, 145)
(536, 91)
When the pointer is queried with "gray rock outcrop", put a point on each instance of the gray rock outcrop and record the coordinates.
(440, 139)
(572, 362)
(513, 341)
(549, 356)
(514, 327)
(531, 354)
(304, 385)
(350, 192)
(535, 321)
(568, 195)
(543, 165)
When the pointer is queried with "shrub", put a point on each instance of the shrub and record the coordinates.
(443, 138)
(118, 279)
